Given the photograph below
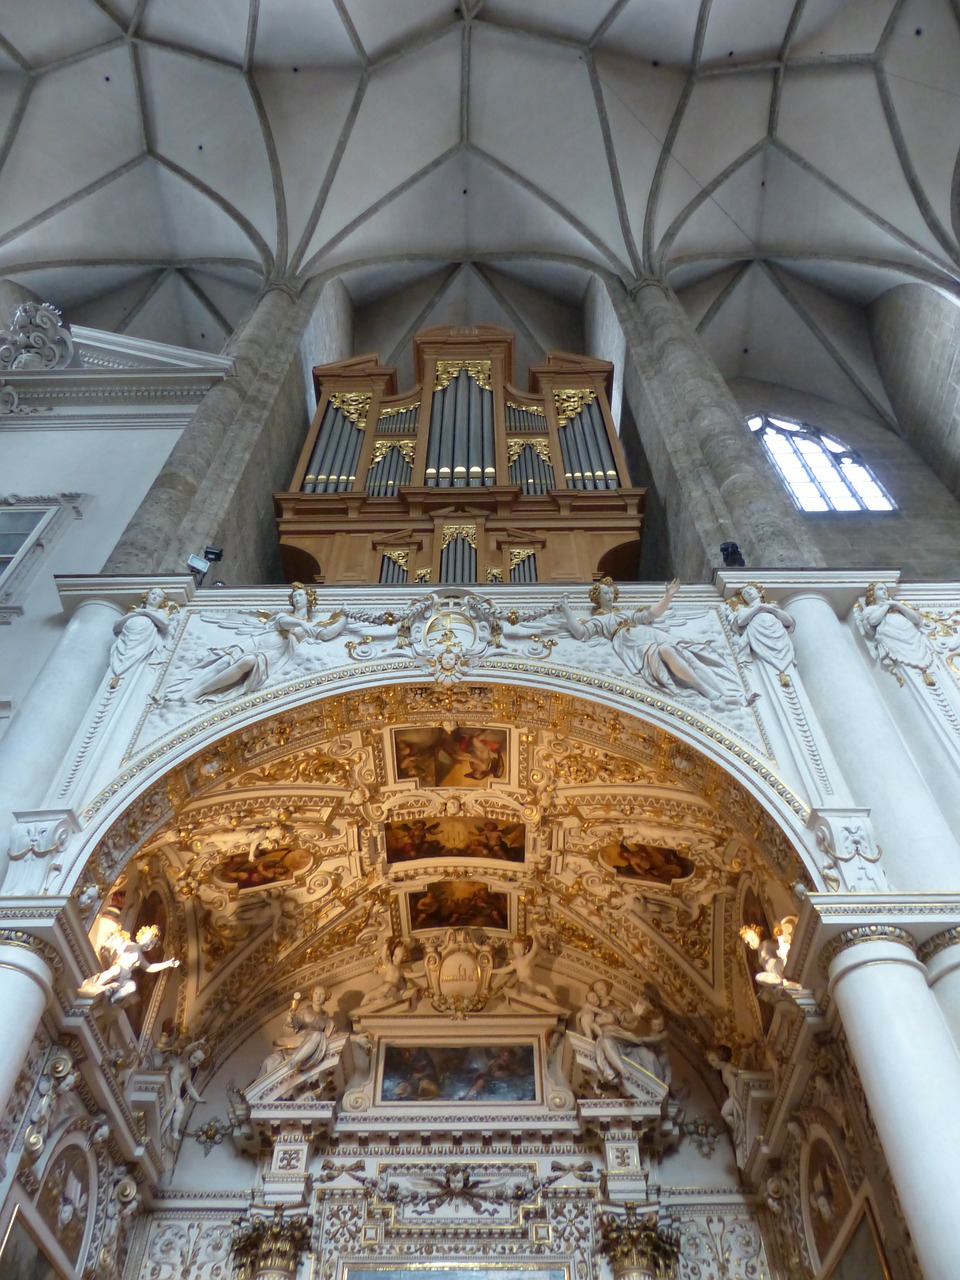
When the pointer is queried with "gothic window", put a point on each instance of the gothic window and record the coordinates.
(821, 473)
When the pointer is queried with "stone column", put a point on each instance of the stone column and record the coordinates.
(32, 749)
(160, 534)
(941, 955)
(920, 852)
(910, 1071)
(707, 466)
(26, 984)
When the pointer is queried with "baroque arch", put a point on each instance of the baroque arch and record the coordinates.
(289, 850)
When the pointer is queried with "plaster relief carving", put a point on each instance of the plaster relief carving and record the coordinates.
(36, 339)
(307, 1048)
(57, 1083)
(893, 630)
(851, 856)
(620, 1055)
(265, 649)
(764, 629)
(38, 837)
(679, 666)
(142, 634)
(458, 972)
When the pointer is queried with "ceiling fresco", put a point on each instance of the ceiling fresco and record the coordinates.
(295, 850)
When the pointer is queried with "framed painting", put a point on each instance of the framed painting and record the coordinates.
(458, 904)
(861, 1256)
(464, 756)
(459, 1073)
(638, 860)
(455, 838)
(21, 1257)
(829, 1199)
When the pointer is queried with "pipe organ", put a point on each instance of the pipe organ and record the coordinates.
(464, 479)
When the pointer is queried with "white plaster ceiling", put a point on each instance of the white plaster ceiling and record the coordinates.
(159, 159)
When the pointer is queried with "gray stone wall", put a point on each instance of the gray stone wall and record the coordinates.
(922, 538)
(915, 332)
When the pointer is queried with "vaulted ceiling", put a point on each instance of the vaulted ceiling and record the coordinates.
(160, 158)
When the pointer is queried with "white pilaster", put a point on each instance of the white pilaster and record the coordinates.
(32, 749)
(910, 1070)
(920, 851)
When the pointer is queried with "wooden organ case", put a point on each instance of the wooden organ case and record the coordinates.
(465, 479)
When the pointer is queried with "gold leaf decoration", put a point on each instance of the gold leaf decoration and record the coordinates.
(382, 447)
(354, 405)
(478, 370)
(519, 554)
(466, 531)
(569, 403)
(516, 445)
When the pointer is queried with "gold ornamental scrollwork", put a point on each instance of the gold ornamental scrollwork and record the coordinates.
(466, 531)
(354, 405)
(527, 408)
(569, 403)
(519, 554)
(382, 447)
(399, 557)
(939, 942)
(391, 410)
(516, 445)
(478, 370)
(867, 933)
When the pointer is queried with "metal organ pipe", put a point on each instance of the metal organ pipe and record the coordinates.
(605, 454)
(334, 459)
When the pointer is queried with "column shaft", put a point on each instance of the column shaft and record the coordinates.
(155, 540)
(920, 852)
(25, 985)
(910, 1071)
(700, 445)
(942, 958)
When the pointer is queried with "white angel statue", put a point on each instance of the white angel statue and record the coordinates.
(267, 647)
(141, 633)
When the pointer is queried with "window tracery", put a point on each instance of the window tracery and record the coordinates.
(820, 471)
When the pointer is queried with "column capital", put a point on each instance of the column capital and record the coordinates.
(120, 591)
(841, 588)
(867, 933)
(48, 929)
(831, 922)
(939, 943)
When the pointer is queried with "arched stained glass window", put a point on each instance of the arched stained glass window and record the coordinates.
(821, 473)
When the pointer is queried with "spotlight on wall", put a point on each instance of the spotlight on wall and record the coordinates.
(732, 556)
(199, 566)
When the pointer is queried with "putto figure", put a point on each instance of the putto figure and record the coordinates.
(117, 981)
(677, 666)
